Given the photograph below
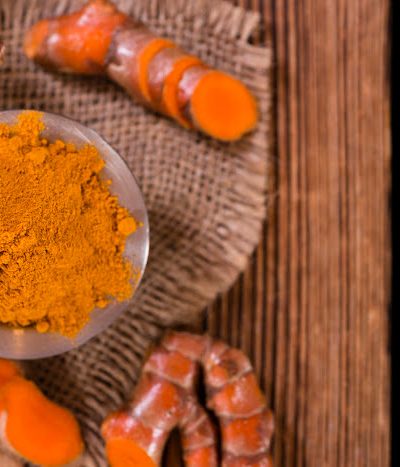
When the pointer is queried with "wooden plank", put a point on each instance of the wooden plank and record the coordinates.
(312, 308)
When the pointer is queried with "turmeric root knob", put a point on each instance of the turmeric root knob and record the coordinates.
(36, 429)
(222, 107)
(75, 43)
(126, 453)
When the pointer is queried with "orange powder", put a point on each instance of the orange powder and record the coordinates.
(62, 233)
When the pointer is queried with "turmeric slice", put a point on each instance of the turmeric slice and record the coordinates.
(170, 90)
(129, 57)
(164, 74)
(98, 39)
(36, 429)
(217, 103)
(164, 399)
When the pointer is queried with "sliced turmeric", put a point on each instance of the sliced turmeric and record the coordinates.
(34, 428)
(164, 74)
(218, 104)
(99, 39)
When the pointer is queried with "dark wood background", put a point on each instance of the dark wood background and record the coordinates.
(312, 308)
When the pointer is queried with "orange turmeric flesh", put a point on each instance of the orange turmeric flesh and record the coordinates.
(37, 429)
(222, 107)
(122, 425)
(126, 453)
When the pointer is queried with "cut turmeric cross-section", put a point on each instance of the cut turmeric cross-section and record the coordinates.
(36, 429)
(170, 89)
(222, 106)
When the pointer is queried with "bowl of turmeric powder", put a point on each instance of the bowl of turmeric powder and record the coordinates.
(74, 234)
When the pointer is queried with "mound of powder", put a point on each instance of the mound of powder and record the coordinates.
(62, 233)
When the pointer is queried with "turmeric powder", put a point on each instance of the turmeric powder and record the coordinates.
(62, 233)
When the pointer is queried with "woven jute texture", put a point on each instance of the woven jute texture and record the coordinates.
(206, 199)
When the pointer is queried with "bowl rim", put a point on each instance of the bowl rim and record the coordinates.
(91, 134)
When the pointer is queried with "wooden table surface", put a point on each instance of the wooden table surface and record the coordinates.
(311, 310)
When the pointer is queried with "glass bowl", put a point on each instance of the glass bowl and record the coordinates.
(25, 344)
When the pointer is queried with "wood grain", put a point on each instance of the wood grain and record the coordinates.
(311, 310)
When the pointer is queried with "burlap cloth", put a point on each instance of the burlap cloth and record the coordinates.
(206, 200)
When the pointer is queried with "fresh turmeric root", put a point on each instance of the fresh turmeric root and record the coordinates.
(32, 428)
(99, 39)
(246, 424)
(165, 398)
